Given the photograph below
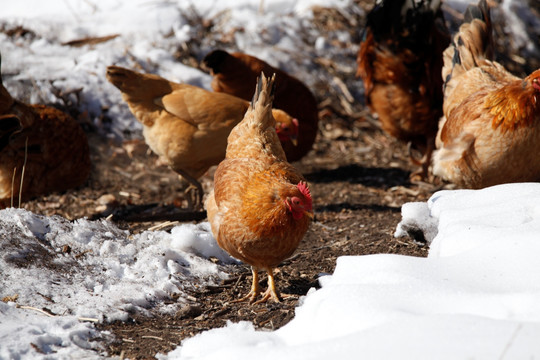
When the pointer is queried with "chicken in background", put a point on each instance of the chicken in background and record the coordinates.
(261, 206)
(42, 150)
(185, 125)
(400, 62)
(237, 73)
(490, 132)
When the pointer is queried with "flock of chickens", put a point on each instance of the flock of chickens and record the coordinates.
(473, 123)
(472, 120)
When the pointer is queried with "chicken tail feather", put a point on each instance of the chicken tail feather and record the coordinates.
(134, 85)
(472, 45)
(259, 123)
(403, 21)
(264, 93)
(264, 89)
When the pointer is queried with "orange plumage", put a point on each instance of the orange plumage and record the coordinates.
(236, 74)
(185, 125)
(261, 207)
(45, 144)
(489, 133)
(400, 61)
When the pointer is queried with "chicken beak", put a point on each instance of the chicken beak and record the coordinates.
(309, 214)
(294, 141)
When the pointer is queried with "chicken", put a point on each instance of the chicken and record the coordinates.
(236, 74)
(42, 150)
(261, 206)
(490, 132)
(399, 62)
(185, 125)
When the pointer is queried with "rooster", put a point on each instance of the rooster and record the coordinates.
(42, 150)
(261, 206)
(185, 125)
(236, 74)
(489, 132)
(400, 61)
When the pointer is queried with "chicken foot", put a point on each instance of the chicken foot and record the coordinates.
(194, 201)
(424, 162)
(255, 289)
(270, 293)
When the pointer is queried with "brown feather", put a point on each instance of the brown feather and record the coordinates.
(185, 125)
(249, 207)
(490, 131)
(400, 62)
(236, 74)
(56, 148)
(512, 106)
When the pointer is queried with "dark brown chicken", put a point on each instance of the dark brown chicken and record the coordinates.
(261, 206)
(400, 62)
(42, 150)
(236, 74)
(490, 133)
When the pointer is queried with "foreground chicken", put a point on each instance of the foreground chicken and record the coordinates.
(185, 125)
(491, 130)
(42, 150)
(236, 74)
(261, 206)
(400, 61)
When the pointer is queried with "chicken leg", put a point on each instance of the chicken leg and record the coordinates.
(194, 200)
(255, 289)
(271, 290)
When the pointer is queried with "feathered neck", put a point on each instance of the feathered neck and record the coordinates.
(516, 104)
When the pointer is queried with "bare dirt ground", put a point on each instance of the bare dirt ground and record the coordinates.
(359, 179)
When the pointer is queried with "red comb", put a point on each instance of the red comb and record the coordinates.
(304, 189)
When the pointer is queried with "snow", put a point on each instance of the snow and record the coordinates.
(66, 336)
(92, 271)
(475, 296)
(36, 67)
(479, 286)
(107, 272)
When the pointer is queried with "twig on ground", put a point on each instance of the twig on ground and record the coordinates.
(163, 225)
(23, 169)
(152, 337)
(36, 309)
(88, 319)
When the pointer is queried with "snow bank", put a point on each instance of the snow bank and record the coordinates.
(22, 331)
(92, 269)
(477, 295)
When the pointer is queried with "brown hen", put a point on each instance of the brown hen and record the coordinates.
(237, 73)
(261, 207)
(42, 150)
(400, 61)
(185, 125)
(490, 132)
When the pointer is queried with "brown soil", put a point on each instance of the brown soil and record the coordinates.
(359, 179)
